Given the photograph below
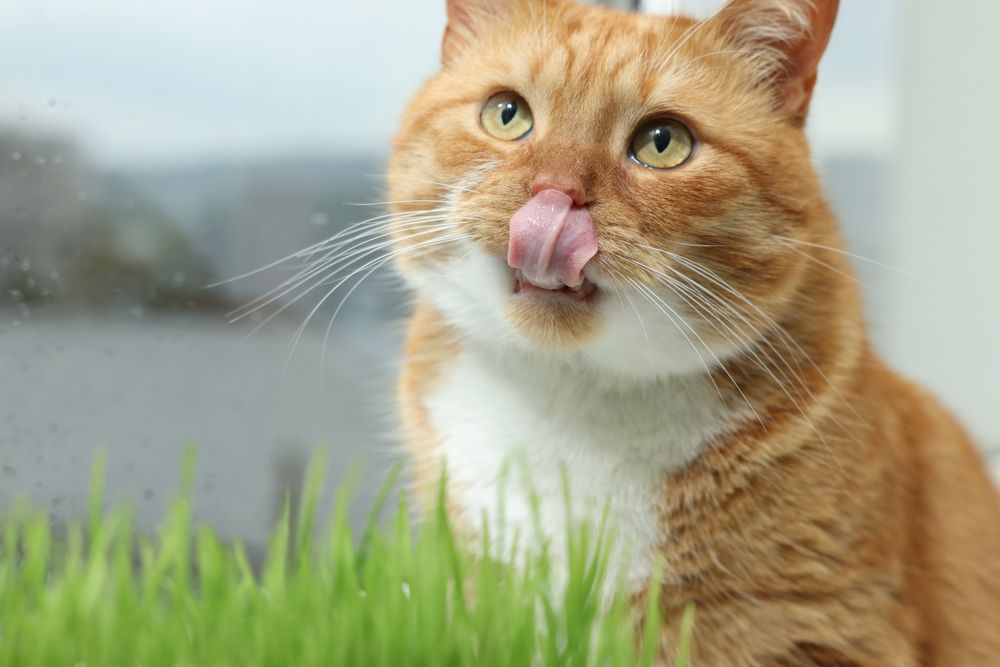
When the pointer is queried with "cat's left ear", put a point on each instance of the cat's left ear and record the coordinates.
(467, 19)
(793, 35)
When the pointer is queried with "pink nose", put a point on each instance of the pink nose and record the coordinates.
(551, 240)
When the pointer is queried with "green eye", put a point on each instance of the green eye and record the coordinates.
(506, 116)
(662, 143)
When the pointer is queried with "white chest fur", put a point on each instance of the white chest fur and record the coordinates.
(614, 445)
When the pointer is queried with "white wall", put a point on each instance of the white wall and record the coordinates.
(944, 325)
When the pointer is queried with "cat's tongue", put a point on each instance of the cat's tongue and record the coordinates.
(551, 240)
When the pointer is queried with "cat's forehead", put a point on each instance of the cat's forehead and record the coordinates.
(587, 56)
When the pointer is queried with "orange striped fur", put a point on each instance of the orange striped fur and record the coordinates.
(839, 515)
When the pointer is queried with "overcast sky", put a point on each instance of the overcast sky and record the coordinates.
(168, 81)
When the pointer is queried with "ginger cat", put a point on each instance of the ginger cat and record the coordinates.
(625, 268)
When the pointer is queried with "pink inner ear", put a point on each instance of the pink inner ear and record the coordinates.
(801, 40)
(551, 240)
(803, 55)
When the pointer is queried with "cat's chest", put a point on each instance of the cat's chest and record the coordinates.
(515, 440)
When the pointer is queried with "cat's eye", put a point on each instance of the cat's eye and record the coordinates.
(507, 116)
(662, 143)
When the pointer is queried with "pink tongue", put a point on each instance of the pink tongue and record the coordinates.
(551, 240)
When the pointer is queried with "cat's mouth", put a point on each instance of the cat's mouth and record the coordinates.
(586, 292)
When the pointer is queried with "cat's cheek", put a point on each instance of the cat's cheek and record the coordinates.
(470, 290)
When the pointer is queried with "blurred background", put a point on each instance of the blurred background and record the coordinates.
(149, 149)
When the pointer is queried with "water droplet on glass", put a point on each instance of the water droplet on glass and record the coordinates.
(57, 159)
(320, 219)
(40, 160)
(15, 156)
(54, 275)
(179, 279)
(26, 264)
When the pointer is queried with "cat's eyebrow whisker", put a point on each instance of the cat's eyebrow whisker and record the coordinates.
(722, 53)
(687, 35)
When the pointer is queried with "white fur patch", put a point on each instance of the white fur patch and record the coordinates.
(614, 445)
(643, 337)
(614, 416)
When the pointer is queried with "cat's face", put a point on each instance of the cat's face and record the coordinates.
(610, 187)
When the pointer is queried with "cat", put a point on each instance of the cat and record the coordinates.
(625, 272)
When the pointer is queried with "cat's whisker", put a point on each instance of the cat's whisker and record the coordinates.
(839, 251)
(383, 229)
(784, 338)
(703, 306)
(322, 280)
(318, 266)
(667, 61)
(825, 265)
(409, 250)
(396, 202)
(311, 250)
(619, 282)
(650, 296)
(298, 253)
(377, 262)
(718, 362)
(447, 186)
(742, 342)
(787, 339)
(383, 221)
(723, 53)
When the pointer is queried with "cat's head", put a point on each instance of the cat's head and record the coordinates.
(610, 187)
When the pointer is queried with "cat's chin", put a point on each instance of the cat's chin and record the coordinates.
(558, 318)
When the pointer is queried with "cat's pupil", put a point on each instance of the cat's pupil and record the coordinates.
(508, 113)
(661, 138)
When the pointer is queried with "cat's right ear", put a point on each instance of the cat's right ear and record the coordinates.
(787, 38)
(466, 20)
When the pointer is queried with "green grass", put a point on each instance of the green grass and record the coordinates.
(97, 595)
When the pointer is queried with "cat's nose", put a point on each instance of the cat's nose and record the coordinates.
(566, 182)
